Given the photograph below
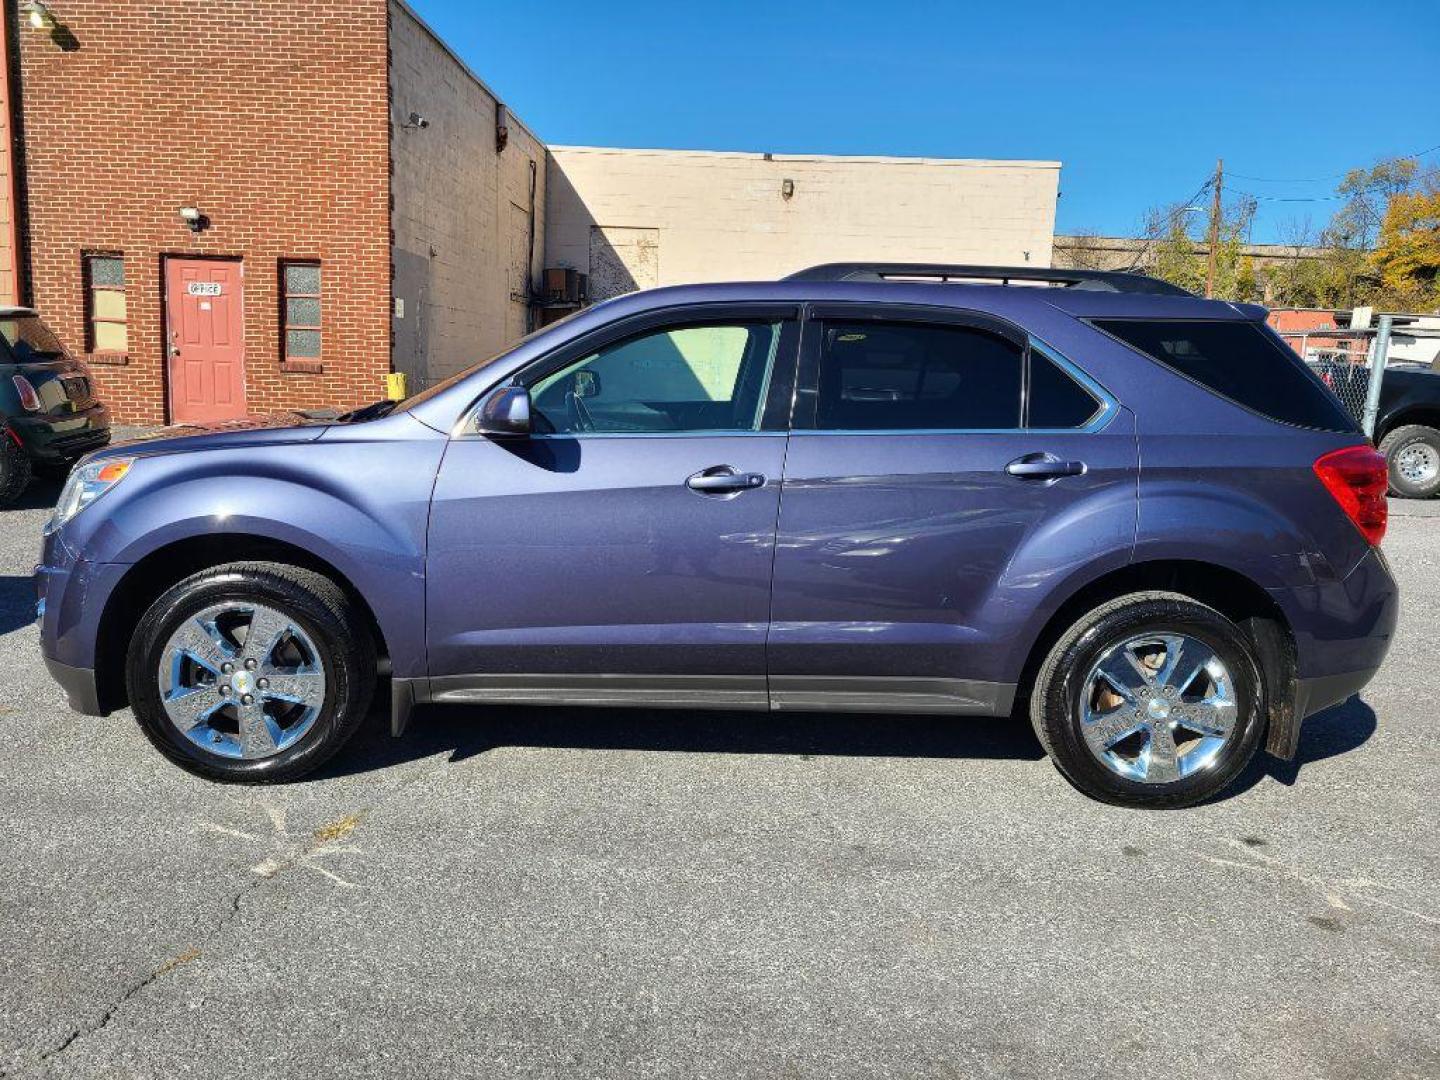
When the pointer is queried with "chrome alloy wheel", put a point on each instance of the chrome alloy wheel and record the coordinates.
(242, 681)
(1158, 708)
(1418, 463)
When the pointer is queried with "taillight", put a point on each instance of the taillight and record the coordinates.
(1357, 479)
(29, 400)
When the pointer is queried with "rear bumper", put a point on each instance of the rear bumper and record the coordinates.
(1317, 694)
(59, 440)
(79, 686)
(1342, 633)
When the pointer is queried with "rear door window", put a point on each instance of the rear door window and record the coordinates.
(877, 376)
(1237, 360)
(1055, 400)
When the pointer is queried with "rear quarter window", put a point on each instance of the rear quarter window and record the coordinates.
(1237, 360)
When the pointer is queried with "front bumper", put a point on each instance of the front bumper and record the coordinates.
(71, 594)
(79, 684)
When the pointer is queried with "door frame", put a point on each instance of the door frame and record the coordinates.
(166, 257)
(778, 403)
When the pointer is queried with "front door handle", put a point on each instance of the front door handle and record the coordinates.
(724, 480)
(1044, 467)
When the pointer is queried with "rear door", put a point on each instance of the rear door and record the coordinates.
(943, 471)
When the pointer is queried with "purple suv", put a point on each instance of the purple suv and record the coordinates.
(1127, 512)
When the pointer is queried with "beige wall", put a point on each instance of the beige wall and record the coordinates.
(642, 217)
(461, 214)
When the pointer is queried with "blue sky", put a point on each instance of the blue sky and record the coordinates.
(1137, 99)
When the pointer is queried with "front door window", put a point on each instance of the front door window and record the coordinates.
(701, 378)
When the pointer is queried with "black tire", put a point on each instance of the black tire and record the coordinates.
(1417, 438)
(318, 606)
(15, 471)
(1055, 705)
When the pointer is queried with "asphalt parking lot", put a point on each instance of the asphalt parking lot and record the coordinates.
(568, 893)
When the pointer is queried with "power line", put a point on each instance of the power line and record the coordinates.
(1166, 222)
(1322, 179)
(1287, 198)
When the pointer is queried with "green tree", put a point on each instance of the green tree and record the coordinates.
(1178, 251)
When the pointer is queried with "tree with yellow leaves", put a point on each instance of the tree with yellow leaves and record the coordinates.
(1407, 255)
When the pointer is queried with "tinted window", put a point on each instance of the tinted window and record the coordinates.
(30, 340)
(1241, 361)
(693, 378)
(908, 376)
(1056, 400)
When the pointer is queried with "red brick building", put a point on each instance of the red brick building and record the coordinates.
(250, 206)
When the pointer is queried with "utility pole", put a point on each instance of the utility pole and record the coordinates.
(1216, 209)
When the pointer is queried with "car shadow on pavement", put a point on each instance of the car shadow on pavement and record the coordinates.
(465, 732)
(468, 732)
(1338, 730)
(17, 603)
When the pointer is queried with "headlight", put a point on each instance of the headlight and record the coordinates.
(86, 484)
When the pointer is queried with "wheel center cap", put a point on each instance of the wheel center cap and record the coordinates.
(243, 682)
(1159, 709)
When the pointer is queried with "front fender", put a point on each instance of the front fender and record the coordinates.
(360, 505)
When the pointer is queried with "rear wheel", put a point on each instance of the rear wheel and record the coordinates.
(14, 470)
(1151, 700)
(254, 672)
(1412, 454)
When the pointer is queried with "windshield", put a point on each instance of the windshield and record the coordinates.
(440, 387)
(29, 341)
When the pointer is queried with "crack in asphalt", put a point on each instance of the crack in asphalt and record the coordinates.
(187, 957)
(324, 836)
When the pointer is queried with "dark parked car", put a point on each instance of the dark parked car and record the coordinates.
(1408, 429)
(1407, 423)
(1131, 514)
(49, 417)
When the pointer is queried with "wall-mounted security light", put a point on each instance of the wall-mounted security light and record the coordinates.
(38, 15)
(417, 122)
(194, 220)
(787, 189)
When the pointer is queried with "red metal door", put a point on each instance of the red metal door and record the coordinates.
(205, 339)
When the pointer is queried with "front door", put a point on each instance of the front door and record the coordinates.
(205, 339)
(621, 554)
(943, 473)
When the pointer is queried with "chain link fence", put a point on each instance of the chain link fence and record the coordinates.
(1351, 363)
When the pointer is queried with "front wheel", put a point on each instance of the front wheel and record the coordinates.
(252, 672)
(1151, 700)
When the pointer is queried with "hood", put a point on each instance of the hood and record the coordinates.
(227, 434)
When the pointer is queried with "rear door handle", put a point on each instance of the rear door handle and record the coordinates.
(724, 480)
(1044, 467)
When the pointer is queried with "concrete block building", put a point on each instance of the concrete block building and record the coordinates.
(262, 205)
(640, 218)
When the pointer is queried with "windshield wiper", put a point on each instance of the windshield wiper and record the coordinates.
(379, 410)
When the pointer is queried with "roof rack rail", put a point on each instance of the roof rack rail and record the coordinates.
(1115, 281)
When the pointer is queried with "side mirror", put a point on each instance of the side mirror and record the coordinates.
(505, 412)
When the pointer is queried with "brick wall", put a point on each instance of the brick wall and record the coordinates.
(674, 216)
(462, 215)
(271, 117)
